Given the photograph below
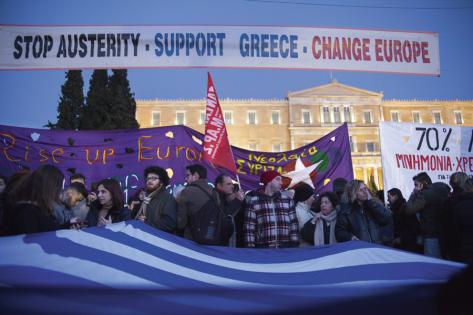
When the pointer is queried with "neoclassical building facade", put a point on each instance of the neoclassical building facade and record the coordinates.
(304, 116)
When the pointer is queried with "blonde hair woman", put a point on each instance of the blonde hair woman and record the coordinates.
(361, 217)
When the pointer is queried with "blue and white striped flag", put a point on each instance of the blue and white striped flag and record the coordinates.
(131, 268)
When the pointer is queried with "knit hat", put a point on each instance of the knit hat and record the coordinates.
(268, 176)
(303, 192)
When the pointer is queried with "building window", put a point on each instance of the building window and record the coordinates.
(336, 115)
(352, 144)
(252, 118)
(458, 118)
(180, 118)
(156, 119)
(275, 119)
(416, 117)
(277, 147)
(437, 118)
(367, 117)
(253, 146)
(395, 116)
(202, 117)
(369, 146)
(306, 119)
(326, 114)
(347, 114)
(228, 118)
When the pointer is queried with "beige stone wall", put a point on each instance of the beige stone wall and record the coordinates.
(291, 132)
(426, 109)
(264, 134)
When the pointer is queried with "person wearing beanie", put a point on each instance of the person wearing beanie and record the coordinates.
(268, 177)
(270, 217)
(303, 198)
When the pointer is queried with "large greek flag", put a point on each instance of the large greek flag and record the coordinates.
(131, 268)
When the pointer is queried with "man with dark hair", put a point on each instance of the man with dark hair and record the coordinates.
(232, 200)
(75, 199)
(159, 208)
(192, 202)
(77, 178)
(270, 217)
(422, 179)
(195, 172)
(428, 200)
(192, 198)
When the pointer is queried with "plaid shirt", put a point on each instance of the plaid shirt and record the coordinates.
(270, 222)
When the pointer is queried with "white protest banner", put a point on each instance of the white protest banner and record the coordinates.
(164, 46)
(438, 150)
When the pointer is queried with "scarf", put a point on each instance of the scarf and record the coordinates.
(145, 203)
(319, 219)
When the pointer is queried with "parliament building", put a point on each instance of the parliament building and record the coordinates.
(304, 116)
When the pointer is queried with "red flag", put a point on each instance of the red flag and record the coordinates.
(217, 149)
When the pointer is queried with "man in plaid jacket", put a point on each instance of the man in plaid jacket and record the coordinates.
(270, 217)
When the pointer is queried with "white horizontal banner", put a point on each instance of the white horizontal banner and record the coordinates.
(438, 150)
(161, 46)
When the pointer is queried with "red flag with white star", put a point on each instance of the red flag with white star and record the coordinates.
(217, 149)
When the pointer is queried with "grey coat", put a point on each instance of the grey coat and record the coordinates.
(190, 200)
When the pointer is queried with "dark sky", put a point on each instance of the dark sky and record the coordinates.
(30, 98)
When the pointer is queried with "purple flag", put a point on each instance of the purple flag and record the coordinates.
(123, 155)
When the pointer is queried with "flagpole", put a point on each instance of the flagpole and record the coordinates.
(238, 181)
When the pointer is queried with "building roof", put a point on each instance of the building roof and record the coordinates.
(334, 88)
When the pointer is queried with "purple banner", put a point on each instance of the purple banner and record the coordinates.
(124, 154)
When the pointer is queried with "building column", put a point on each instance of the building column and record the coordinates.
(365, 175)
(376, 178)
(292, 140)
(380, 171)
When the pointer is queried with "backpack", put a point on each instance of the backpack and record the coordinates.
(209, 225)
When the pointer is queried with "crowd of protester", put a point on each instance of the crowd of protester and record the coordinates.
(436, 219)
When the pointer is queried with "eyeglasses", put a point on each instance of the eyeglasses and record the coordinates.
(153, 178)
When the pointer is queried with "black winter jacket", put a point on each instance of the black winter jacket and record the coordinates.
(430, 203)
(117, 215)
(406, 226)
(161, 212)
(28, 218)
(364, 222)
(459, 228)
